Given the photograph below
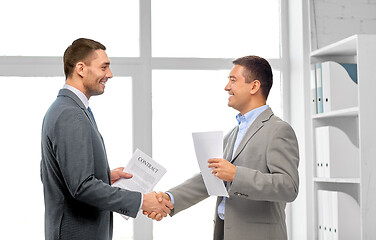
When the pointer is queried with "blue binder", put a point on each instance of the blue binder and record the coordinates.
(319, 95)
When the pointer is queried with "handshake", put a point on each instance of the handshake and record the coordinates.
(156, 205)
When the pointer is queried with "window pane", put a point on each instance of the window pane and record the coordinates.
(113, 114)
(275, 96)
(22, 111)
(46, 28)
(201, 105)
(215, 28)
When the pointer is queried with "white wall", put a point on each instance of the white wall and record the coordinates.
(299, 112)
(333, 20)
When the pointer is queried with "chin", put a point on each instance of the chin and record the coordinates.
(98, 93)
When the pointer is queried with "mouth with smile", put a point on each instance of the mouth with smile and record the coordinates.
(103, 82)
(230, 95)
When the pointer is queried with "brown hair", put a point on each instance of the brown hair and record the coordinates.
(80, 50)
(257, 68)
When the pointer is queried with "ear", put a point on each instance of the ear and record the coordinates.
(255, 87)
(80, 69)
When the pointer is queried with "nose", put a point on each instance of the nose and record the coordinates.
(228, 86)
(109, 73)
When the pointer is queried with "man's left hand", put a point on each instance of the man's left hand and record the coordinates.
(222, 169)
(118, 173)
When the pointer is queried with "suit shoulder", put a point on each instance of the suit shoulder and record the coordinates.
(63, 110)
(277, 124)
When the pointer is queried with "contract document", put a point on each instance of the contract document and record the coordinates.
(146, 174)
(209, 145)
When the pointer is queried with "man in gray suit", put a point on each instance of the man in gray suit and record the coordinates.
(260, 164)
(79, 198)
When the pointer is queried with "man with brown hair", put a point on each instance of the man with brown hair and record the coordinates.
(259, 164)
(79, 198)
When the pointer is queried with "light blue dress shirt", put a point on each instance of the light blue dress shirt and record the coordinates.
(244, 123)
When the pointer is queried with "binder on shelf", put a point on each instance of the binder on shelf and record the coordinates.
(338, 216)
(334, 199)
(319, 93)
(328, 216)
(337, 154)
(345, 216)
(320, 214)
(313, 92)
(339, 90)
(321, 141)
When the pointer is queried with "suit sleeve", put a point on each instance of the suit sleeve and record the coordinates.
(76, 148)
(281, 183)
(188, 193)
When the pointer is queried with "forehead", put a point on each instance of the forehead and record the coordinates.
(237, 71)
(99, 56)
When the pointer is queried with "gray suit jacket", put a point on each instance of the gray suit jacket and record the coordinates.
(76, 177)
(266, 178)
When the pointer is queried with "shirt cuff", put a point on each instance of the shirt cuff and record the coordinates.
(142, 200)
(171, 197)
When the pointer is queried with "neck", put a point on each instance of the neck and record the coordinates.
(78, 85)
(252, 106)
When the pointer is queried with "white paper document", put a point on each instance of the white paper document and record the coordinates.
(209, 145)
(146, 174)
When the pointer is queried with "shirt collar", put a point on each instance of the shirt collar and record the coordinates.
(79, 94)
(248, 118)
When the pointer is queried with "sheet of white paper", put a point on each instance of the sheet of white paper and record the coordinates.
(146, 174)
(209, 145)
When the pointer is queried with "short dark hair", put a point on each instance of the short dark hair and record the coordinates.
(80, 50)
(257, 68)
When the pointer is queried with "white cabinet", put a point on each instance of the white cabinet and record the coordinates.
(344, 140)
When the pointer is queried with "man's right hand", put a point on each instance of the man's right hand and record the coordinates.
(156, 205)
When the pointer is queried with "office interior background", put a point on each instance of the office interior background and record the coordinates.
(170, 61)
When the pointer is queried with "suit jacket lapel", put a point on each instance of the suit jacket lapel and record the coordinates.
(252, 130)
(91, 118)
(227, 154)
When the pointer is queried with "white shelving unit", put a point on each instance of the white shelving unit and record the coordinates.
(359, 125)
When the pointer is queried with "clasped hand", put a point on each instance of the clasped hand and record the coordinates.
(156, 205)
(221, 168)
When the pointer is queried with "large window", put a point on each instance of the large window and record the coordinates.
(213, 28)
(170, 61)
(46, 28)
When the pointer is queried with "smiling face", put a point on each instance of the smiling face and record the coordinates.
(239, 91)
(95, 74)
